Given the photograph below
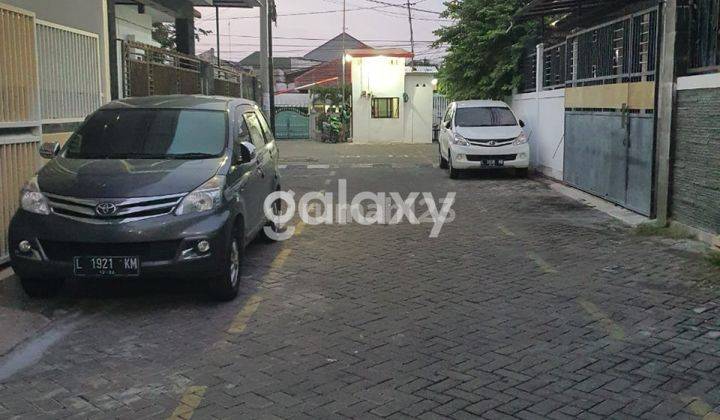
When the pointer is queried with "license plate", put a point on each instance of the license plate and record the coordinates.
(106, 266)
(493, 162)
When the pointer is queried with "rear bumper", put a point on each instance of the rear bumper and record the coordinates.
(471, 157)
(165, 245)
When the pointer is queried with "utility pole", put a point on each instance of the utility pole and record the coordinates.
(664, 109)
(264, 67)
(343, 81)
(271, 73)
(412, 37)
(217, 33)
(342, 57)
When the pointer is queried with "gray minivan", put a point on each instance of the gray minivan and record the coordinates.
(166, 186)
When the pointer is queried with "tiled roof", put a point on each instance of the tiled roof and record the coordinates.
(325, 71)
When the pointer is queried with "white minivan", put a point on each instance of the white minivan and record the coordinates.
(480, 135)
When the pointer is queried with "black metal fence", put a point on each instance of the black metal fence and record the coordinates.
(703, 20)
(528, 82)
(554, 67)
(623, 50)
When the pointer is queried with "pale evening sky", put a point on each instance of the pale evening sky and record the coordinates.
(374, 23)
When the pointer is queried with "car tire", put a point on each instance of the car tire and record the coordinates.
(443, 161)
(41, 288)
(277, 210)
(225, 286)
(454, 173)
(521, 172)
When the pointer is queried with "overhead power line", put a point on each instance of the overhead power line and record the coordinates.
(403, 6)
(294, 38)
(317, 12)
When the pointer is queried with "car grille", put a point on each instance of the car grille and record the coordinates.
(147, 251)
(491, 142)
(478, 158)
(126, 210)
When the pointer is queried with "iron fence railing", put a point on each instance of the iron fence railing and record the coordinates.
(554, 66)
(704, 36)
(620, 51)
(528, 82)
(148, 70)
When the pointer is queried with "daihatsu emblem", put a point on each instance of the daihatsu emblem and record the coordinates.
(106, 209)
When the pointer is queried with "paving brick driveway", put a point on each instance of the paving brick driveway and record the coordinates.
(528, 305)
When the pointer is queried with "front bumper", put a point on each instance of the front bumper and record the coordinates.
(162, 243)
(472, 157)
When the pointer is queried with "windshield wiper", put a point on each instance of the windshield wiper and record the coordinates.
(194, 155)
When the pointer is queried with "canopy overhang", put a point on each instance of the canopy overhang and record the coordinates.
(539, 8)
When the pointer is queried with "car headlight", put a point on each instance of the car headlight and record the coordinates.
(521, 139)
(32, 200)
(460, 140)
(204, 198)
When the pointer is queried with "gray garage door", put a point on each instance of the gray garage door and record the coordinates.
(611, 156)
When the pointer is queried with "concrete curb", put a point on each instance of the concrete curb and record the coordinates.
(624, 215)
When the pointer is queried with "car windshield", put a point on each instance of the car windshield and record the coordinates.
(484, 117)
(149, 134)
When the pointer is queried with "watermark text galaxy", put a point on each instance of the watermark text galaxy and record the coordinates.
(365, 208)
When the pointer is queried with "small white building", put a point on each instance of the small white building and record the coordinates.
(392, 103)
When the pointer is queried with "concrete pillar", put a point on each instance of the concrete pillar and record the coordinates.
(112, 48)
(264, 65)
(539, 67)
(665, 104)
(185, 35)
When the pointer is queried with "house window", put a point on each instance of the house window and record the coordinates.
(386, 108)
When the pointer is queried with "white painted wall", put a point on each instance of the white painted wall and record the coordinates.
(86, 15)
(292, 99)
(701, 81)
(419, 107)
(132, 25)
(380, 77)
(544, 117)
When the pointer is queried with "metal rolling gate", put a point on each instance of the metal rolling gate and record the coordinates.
(609, 101)
(292, 123)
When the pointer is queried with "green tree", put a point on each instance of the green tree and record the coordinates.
(164, 34)
(485, 48)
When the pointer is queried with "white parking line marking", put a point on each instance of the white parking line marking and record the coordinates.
(318, 166)
(362, 165)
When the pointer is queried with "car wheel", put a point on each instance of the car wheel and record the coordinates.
(41, 288)
(274, 227)
(443, 161)
(454, 173)
(225, 286)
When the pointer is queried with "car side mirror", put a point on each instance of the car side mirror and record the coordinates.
(522, 124)
(49, 149)
(448, 124)
(246, 153)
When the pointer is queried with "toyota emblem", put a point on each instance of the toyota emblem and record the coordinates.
(492, 142)
(105, 209)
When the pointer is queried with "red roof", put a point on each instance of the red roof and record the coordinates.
(325, 71)
(387, 52)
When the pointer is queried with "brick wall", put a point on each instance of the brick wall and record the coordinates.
(695, 197)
